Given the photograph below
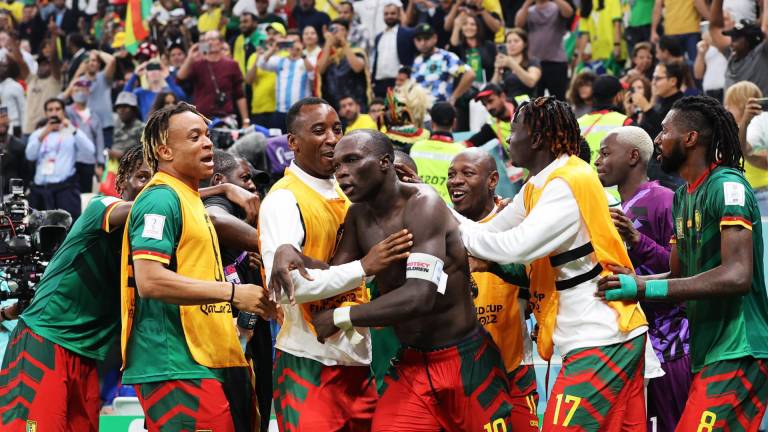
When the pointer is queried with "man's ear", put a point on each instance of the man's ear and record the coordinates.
(691, 139)
(165, 153)
(292, 144)
(493, 180)
(385, 161)
(217, 178)
(634, 157)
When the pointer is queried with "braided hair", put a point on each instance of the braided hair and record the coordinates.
(156, 131)
(716, 128)
(129, 163)
(554, 122)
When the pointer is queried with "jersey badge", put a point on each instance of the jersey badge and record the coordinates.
(153, 226)
(733, 193)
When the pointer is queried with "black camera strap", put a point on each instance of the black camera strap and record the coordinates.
(213, 78)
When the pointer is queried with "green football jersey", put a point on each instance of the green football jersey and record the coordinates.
(77, 302)
(731, 327)
(157, 349)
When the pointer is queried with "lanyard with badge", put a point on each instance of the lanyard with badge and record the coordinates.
(49, 158)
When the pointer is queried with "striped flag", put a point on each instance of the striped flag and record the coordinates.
(136, 27)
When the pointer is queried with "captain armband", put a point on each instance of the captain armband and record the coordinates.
(426, 267)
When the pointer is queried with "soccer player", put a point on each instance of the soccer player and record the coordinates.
(716, 266)
(449, 374)
(644, 221)
(177, 330)
(559, 226)
(499, 304)
(318, 387)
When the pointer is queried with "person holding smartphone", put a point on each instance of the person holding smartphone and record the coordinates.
(53, 149)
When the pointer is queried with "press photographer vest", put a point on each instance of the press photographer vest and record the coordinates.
(433, 158)
(604, 241)
(211, 337)
(323, 222)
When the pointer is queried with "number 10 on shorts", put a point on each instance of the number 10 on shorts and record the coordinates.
(498, 425)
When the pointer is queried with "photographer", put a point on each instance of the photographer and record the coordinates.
(14, 163)
(74, 315)
(53, 148)
(216, 79)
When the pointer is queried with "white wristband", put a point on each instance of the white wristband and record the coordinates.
(341, 318)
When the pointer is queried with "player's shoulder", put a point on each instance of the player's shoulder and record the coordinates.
(157, 198)
(424, 200)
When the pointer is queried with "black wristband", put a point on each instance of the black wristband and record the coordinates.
(3, 314)
(232, 297)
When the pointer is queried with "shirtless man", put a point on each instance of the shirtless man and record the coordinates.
(449, 374)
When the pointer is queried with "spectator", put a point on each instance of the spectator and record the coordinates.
(305, 14)
(669, 49)
(63, 17)
(709, 67)
(642, 60)
(432, 12)
(392, 48)
(263, 82)
(78, 52)
(264, 16)
(99, 70)
(580, 93)
(639, 90)
(213, 18)
(473, 48)
(128, 125)
(44, 85)
(433, 155)
(499, 124)
(489, 12)
(376, 110)
(515, 71)
(666, 87)
(84, 119)
(547, 22)
(606, 115)
(158, 79)
(359, 36)
(176, 57)
(32, 27)
(681, 21)
(295, 75)
(745, 47)
(436, 69)
(639, 23)
(163, 100)
(10, 47)
(600, 26)
(14, 162)
(753, 132)
(344, 69)
(217, 81)
(244, 44)
(53, 148)
(349, 111)
(12, 94)
(311, 48)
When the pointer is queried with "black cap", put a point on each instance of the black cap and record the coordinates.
(424, 29)
(260, 177)
(606, 87)
(745, 28)
(488, 90)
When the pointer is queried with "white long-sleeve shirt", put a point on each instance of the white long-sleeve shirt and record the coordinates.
(280, 223)
(553, 226)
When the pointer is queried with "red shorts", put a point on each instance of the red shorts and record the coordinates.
(185, 405)
(311, 397)
(601, 389)
(727, 395)
(460, 388)
(525, 398)
(45, 387)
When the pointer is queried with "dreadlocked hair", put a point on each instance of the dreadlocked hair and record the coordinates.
(156, 131)
(554, 122)
(129, 163)
(716, 128)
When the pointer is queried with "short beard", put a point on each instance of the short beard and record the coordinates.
(671, 164)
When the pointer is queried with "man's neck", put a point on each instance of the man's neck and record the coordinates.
(693, 169)
(636, 178)
(310, 173)
(429, 54)
(388, 197)
(80, 106)
(506, 115)
(480, 213)
(541, 160)
(213, 58)
(156, 86)
(192, 182)
(353, 119)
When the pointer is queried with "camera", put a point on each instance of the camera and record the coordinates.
(28, 240)
(221, 98)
